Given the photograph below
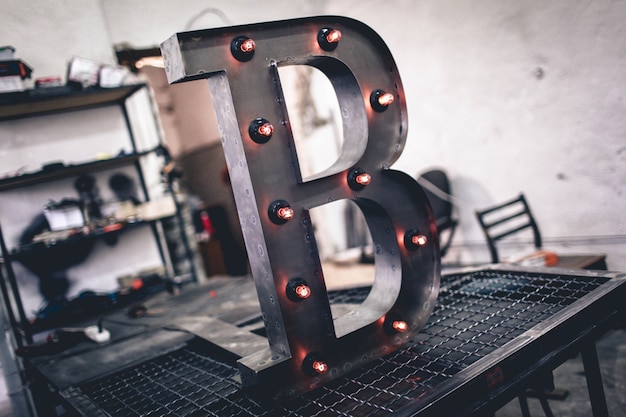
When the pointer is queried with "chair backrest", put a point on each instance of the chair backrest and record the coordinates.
(506, 219)
(436, 186)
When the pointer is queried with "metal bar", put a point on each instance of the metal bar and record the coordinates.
(506, 219)
(523, 404)
(499, 206)
(543, 400)
(512, 231)
(7, 302)
(594, 380)
(183, 234)
(142, 182)
(16, 297)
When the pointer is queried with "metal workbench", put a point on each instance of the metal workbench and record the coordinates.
(492, 334)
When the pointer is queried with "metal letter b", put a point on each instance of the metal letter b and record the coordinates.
(306, 346)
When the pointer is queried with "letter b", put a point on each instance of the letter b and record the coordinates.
(306, 346)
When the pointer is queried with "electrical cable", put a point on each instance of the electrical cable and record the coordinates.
(443, 195)
(209, 10)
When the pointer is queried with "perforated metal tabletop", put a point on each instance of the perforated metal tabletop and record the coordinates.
(491, 330)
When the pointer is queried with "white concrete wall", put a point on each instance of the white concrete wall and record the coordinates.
(507, 96)
(47, 35)
(513, 96)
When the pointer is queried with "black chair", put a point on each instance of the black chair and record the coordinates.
(506, 219)
(514, 216)
(509, 218)
(437, 188)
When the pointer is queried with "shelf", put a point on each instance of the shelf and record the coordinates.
(60, 250)
(66, 171)
(39, 247)
(42, 101)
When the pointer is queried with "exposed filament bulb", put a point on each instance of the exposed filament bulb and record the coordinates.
(363, 179)
(314, 364)
(260, 130)
(358, 179)
(419, 240)
(280, 212)
(298, 289)
(302, 291)
(247, 46)
(285, 213)
(328, 39)
(385, 99)
(394, 324)
(333, 36)
(414, 240)
(380, 100)
(400, 326)
(266, 129)
(320, 367)
(242, 48)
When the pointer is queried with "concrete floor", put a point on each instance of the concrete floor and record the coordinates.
(5, 403)
(571, 377)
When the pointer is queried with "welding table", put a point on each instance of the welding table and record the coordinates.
(492, 333)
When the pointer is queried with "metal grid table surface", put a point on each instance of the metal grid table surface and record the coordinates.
(477, 313)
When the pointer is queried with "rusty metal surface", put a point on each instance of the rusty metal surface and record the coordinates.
(264, 171)
(491, 329)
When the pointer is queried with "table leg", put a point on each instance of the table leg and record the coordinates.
(594, 380)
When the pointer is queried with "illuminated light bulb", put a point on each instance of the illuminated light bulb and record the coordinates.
(266, 129)
(414, 240)
(247, 46)
(285, 213)
(298, 289)
(314, 364)
(394, 324)
(242, 48)
(419, 240)
(400, 326)
(328, 39)
(260, 130)
(385, 99)
(320, 367)
(358, 179)
(333, 36)
(363, 179)
(303, 291)
(380, 100)
(280, 212)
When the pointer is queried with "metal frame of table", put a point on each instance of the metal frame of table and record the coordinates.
(494, 332)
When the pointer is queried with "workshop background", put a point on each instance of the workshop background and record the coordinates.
(506, 96)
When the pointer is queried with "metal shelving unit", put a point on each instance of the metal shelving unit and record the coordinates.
(35, 103)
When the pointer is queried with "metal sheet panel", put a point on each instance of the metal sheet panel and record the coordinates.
(264, 171)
